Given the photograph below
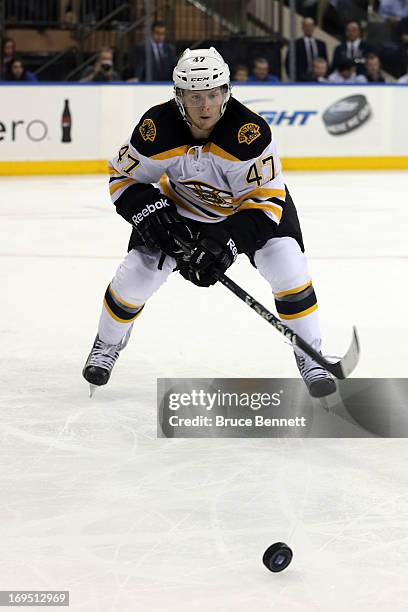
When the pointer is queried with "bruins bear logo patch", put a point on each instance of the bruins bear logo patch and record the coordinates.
(248, 133)
(148, 130)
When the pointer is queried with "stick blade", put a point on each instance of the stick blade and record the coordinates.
(92, 389)
(348, 363)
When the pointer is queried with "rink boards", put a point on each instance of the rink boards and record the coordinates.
(317, 127)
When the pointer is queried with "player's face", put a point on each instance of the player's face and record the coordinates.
(204, 107)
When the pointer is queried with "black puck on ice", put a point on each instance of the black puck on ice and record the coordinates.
(346, 114)
(277, 557)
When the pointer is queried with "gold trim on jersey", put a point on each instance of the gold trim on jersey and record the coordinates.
(113, 187)
(177, 152)
(261, 192)
(294, 290)
(214, 149)
(113, 172)
(299, 314)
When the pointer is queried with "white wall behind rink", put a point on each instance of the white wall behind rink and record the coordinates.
(103, 116)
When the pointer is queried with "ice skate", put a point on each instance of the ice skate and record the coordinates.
(318, 380)
(101, 359)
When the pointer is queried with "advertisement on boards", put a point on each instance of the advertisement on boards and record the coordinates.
(40, 123)
(78, 122)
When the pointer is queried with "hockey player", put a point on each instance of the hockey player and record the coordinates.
(204, 169)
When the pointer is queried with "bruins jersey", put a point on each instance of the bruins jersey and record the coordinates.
(236, 169)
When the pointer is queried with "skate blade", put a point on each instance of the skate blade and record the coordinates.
(92, 389)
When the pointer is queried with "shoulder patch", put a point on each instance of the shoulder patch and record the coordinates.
(148, 130)
(241, 132)
(160, 129)
(248, 133)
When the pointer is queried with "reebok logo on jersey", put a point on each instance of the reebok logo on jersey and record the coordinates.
(148, 210)
(233, 248)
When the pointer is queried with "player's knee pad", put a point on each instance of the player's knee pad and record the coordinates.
(119, 309)
(297, 302)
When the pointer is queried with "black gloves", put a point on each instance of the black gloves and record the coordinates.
(218, 245)
(159, 225)
(213, 254)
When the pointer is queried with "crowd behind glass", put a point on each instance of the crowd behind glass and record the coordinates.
(354, 60)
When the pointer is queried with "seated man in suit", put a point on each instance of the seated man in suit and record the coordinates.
(163, 56)
(307, 49)
(354, 48)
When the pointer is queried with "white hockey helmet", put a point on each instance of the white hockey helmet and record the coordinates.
(200, 69)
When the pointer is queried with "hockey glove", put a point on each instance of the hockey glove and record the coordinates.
(211, 257)
(159, 224)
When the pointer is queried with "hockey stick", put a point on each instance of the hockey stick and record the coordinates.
(339, 369)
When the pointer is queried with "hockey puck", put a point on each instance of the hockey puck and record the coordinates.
(346, 115)
(277, 557)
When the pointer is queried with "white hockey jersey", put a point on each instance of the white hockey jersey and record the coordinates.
(237, 168)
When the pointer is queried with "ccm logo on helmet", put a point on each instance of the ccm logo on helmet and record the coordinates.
(148, 210)
(200, 78)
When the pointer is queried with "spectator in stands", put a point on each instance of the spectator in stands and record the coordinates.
(163, 56)
(319, 71)
(260, 72)
(354, 48)
(346, 73)
(8, 51)
(373, 72)
(18, 72)
(307, 49)
(103, 70)
(395, 10)
(241, 73)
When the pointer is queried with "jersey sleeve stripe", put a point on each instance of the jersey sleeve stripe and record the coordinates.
(113, 188)
(276, 206)
(275, 210)
(113, 171)
(261, 192)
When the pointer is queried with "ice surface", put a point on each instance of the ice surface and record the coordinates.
(92, 502)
